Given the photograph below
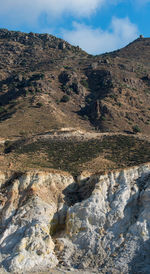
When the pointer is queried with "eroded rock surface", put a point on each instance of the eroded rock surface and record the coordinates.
(111, 228)
(100, 223)
(26, 216)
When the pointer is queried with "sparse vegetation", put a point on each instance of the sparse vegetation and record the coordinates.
(136, 129)
(65, 98)
(121, 150)
(84, 83)
(85, 117)
(23, 133)
(103, 118)
(39, 104)
(119, 104)
(37, 76)
(2, 109)
(67, 67)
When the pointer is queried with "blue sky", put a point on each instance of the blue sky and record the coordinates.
(97, 26)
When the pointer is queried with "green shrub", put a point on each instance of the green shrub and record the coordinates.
(136, 129)
(65, 99)
(84, 83)
(39, 104)
(119, 104)
(22, 133)
(37, 76)
(103, 118)
(57, 101)
(8, 146)
(113, 96)
(2, 109)
(67, 67)
(89, 100)
(85, 117)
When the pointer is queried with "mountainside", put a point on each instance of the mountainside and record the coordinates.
(74, 157)
(45, 83)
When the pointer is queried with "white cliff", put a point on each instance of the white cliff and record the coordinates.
(100, 223)
(26, 214)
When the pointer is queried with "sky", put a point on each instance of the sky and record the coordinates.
(97, 26)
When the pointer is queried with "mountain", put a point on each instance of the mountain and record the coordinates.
(55, 99)
(45, 84)
(74, 157)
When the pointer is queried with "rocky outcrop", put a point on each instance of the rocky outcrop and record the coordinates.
(35, 39)
(99, 223)
(110, 230)
(28, 206)
(70, 83)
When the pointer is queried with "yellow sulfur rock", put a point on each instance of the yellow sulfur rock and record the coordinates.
(102, 231)
(20, 258)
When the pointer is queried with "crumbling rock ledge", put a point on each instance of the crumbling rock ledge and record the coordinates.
(99, 223)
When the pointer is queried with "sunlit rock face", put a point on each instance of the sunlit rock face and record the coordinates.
(28, 205)
(110, 230)
(99, 223)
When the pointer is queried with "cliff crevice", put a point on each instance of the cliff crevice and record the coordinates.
(99, 223)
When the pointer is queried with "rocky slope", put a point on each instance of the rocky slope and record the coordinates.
(45, 83)
(98, 223)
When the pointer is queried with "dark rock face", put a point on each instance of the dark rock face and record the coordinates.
(100, 81)
(62, 45)
(64, 77)
(71, 82)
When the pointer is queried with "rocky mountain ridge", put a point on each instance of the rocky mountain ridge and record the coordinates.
(51, 84)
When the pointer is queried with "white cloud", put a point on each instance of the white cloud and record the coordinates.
(28, 11)
(96, 41)
(76, 7)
